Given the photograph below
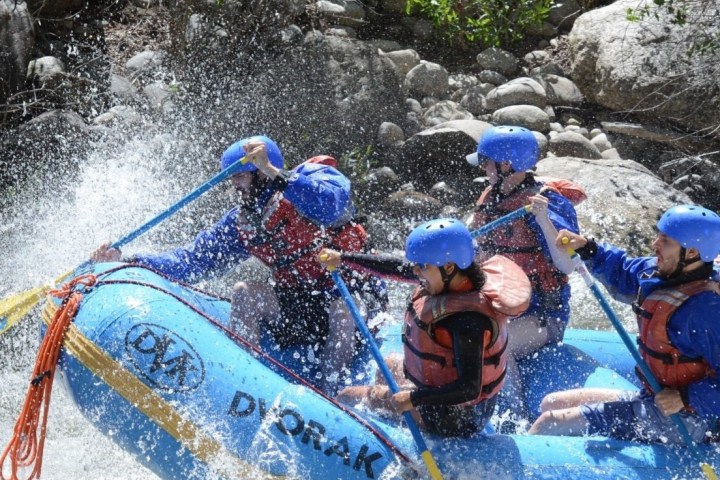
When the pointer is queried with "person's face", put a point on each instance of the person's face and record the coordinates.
(493, 170)
(242, 182)
(667, 252)
(430, 278)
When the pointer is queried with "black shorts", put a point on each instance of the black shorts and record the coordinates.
(457, 421)
(304, 317)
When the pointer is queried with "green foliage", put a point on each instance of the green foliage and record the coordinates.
(677, 11)
(492, 22)
(357, 162)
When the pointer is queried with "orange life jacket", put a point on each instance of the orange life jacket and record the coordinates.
(288, 243)
(670, 367)
(429, 358)
(517, 240)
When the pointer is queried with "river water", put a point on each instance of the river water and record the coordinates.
(45, 233)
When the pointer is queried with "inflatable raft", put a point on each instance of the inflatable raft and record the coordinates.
(153, 365)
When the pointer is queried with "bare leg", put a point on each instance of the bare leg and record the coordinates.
(577, 397)
(394, 362)
(251, 302)
(525, 337)
(338, 351)
(561, 411)
(568, 421)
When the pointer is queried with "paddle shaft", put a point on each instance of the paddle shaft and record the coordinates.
(360, 323)
(488, 227)
(17, 306)
(175, 207)
(582, 269)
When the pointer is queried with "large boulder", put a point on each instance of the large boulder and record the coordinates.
(624, 200)
(644, 66)
(16, 42)
(438, 154)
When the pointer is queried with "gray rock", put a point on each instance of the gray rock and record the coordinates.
(559, 90)
(412, 205)
(491, 76)
(16, 43)
(601, 142)
(427, 79)
(624, 199)
(446, 110)
(390, 134)
(571, 144)
(145, 62)
(519, 91)
(48, 71)
(528, 116)
(404, 60)
(497, 60)
(644, 65)
(438, 154)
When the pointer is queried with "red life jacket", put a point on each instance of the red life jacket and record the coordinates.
(429, 358)
(288, 243)
(517, 240)
(670, 367)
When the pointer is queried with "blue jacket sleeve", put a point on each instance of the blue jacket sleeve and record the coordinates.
(618, 272)
(561, 214)
(213, 251)
(695, 330)
(320, 193)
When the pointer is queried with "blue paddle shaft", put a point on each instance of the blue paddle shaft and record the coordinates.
(175, 207)
(488, 227)
(581, 268)
(360, 323)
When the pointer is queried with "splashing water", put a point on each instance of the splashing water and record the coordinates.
(43, 234)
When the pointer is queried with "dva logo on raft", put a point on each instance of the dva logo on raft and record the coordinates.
(164, 358)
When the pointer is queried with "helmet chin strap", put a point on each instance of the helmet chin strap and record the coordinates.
(682, 263)
(446, 278)
(502, 176)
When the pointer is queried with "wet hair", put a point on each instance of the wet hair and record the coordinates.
(475, 274)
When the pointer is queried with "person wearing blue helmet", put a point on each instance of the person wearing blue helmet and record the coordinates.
(283, 218)
(508, 154)
(455, 330)
(676, 297)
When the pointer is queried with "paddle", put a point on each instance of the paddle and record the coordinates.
(488, 227)
(15, 307)
(582, 269)
(357, 317)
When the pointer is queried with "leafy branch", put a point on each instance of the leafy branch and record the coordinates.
(491, 22)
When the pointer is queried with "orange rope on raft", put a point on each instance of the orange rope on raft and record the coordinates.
(25, 448)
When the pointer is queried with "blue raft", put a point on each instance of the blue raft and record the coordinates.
(153, 365)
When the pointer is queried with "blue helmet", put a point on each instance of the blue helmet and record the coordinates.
(440, 241)
(235, 152)
(516, 145)
(693, 227)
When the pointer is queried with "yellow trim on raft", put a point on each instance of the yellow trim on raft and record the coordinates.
(202, 446)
